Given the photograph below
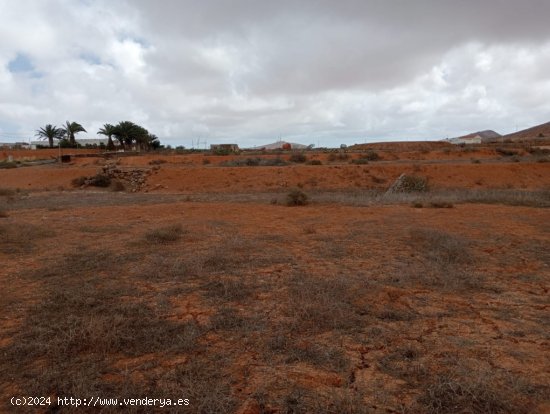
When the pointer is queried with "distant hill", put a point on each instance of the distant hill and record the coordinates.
(539, 131)
(279, 145)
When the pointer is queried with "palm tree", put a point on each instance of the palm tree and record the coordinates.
(108, 130)
(50, 132)
(72, 128)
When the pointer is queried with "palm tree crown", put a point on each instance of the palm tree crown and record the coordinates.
(72, 128)
(50, 132)
(108, 130)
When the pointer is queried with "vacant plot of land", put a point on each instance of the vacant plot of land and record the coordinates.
(208, 284)
(265, 308)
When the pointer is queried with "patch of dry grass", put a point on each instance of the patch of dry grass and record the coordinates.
(165, 234)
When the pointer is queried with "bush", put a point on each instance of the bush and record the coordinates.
(506, 152)
(371, 156)
(100, 180)
(3, 214)
(341, 156)
(296, 198)
(360, 161)
(79, 181)
(409, 183)
(314, 162)
(298, 158)
(165, 234)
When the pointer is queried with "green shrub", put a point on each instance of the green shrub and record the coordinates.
(296, 198)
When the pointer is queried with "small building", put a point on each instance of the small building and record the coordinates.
(224, 148)
(467, 140)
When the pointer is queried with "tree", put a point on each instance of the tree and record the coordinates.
(108, 130)
(70, 129)
(129, 134)
(50, 132)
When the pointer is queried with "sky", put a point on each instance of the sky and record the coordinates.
(254, 71)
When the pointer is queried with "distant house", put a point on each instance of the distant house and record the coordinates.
(224, 148)
(476, 139)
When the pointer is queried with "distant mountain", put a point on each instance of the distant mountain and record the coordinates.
(280, 145)
(539, 131)
(476, 137)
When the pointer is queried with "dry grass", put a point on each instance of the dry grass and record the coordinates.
(16, 238)
(478, 394)
(165, 234)
(448, 261)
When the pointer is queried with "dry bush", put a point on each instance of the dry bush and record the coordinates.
(449, 261)
(229, 254)
(322, 304)
(338, 156)
(165, 234)
(506, 152)
(317, 355)
(227, 289)
(79, 181)
(20, 237)
(3, 214)
(204, 380)
(296, 198)
(412, 183)
(405, 363)
(100, 180)
(483, 394)
(314, 162)
(298, 158)
(299, 400)
(441, 247)
(229, 319)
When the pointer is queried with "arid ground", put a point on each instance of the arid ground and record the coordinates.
(190, 276)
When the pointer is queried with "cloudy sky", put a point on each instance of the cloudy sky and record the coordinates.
(316, 72)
